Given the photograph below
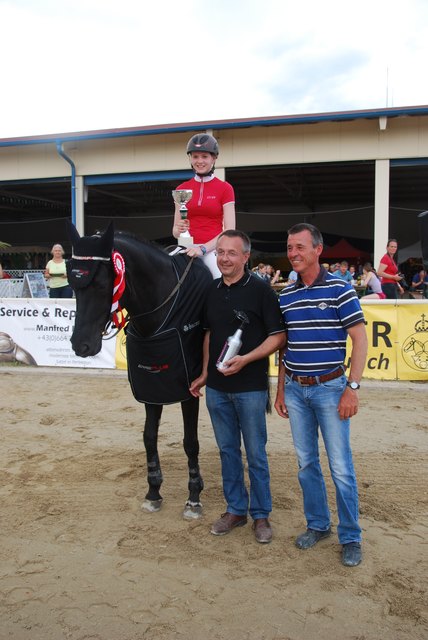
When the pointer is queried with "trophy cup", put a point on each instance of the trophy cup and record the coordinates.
(181, 196)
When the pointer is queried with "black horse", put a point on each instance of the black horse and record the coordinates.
(163, 296)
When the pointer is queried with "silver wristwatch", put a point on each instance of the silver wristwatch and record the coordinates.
(353, 385)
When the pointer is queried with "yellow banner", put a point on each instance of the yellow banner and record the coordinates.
(381, 330)
(398, 341)
(412, 352)
(121, 361)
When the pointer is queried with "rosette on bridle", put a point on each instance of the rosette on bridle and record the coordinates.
(119, 285)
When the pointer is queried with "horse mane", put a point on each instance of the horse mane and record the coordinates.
(127, 235)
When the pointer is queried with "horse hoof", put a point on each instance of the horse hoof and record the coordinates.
(151, 505)
(192, 511)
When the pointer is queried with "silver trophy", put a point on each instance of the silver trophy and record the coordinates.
(181, 196)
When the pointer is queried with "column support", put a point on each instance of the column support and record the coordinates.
(381, 209)
(80, 205)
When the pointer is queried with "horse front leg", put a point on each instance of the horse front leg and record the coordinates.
(190, 411)
(153, 499)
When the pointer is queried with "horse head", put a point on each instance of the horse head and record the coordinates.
(90, 274)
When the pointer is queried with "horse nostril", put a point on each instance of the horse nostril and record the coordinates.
(82, 350)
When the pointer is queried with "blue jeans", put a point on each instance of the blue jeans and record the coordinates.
(233, 414)
(310, 409)
(61, 292)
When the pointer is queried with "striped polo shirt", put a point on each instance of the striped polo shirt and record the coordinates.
(316, 320)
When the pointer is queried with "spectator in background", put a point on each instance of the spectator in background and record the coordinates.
(372, 283)
(56, 274)
(342, 272)
(420, 282)
(273, 275)
(261, 272)
(292, 278)
(388, 272)
(3, 274)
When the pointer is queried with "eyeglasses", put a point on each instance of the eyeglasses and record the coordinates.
(226, 254)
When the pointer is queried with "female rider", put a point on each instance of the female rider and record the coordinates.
(211, 209)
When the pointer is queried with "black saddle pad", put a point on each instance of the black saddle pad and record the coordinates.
(158, 370)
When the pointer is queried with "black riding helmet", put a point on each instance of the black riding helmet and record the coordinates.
(203, 142)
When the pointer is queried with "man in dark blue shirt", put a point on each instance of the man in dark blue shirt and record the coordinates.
(320, 311)
(420, 282)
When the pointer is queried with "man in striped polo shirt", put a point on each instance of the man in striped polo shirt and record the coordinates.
(320, 311)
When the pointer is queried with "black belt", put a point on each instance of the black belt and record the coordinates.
(309, 381)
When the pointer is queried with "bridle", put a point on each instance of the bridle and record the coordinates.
(117, 318)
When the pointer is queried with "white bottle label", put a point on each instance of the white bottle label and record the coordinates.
(230, 349)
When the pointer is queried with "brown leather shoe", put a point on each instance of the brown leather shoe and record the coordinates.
(226, 523)
(262, 530)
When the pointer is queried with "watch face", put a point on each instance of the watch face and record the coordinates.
(354, 385)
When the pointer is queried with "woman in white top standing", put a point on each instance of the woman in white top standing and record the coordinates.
(56, 273)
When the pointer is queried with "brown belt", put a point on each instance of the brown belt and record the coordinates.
(309, 381)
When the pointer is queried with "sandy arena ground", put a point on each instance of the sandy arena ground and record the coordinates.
(80, 560)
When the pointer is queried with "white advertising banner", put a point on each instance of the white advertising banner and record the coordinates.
(37, 331)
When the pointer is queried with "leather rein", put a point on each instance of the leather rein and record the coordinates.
(107, 335)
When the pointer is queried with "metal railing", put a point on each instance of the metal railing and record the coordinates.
(20, 273)
(11, 287)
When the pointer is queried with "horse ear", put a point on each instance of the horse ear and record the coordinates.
(72, 233)
(96, 245)
(107, 239)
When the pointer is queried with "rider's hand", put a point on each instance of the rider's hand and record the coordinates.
(194, 252)
(183, 225)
